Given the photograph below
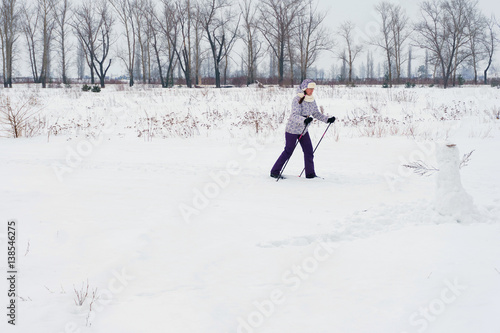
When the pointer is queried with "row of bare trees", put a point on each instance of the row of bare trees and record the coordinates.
(394, 32)
(456, 32)
(46, 26)
(9, 20)
(162, 35)
(157, 36)
(453, 33)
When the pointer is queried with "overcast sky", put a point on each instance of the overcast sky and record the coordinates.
(362, 11)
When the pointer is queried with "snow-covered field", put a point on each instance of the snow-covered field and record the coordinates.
(160, 203)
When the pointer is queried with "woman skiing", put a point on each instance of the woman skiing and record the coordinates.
(303, 107)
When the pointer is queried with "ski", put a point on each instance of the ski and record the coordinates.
(292, 177)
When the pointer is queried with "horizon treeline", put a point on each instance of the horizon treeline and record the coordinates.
(167, 41)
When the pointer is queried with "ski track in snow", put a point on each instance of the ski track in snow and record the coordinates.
(381, 219)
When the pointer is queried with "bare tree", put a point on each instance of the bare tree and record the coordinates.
(165, 40)
(143, 35)
(346, 32)
(344, 67)
(441, 30)
(9, 32)
(190, 17)
(30, 20)
(198, 38)
(149, 35)
(400, 31)
(86, 23)
(314, 37)
(221, 30)
(369, 65)
(385, 39)
(46, 12)
(476, 30)
(150, 14)
(92, 23)
(490, 43)
(184, 19)
(80, 60)
(2, 47)
(38, 25)
(292, 47)
(250, 38)
(63, 11)
(103, 41)
(278, 18)
(426, 64)
(228, 47)
(410, 58)
(154, 45)
(392, 37)
(125, 10)
(460, 12)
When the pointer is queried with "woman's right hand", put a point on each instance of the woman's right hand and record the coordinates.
(308, 120)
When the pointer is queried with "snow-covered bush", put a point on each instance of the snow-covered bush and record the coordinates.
(17, 112)
(166, 126)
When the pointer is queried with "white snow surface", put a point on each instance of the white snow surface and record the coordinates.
(161, 201)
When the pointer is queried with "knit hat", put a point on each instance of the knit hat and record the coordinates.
(307, 83)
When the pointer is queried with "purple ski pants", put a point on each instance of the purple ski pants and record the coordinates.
(305, 143)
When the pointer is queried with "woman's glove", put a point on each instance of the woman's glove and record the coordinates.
(308, 120)
(331, 120)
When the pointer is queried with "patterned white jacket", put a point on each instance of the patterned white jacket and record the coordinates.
(300, 112)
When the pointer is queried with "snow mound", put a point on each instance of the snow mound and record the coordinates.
(451, 198)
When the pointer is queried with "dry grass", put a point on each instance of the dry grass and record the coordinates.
(156, 113)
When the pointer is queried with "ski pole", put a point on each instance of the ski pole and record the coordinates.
(317, 146)
(296, 143)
